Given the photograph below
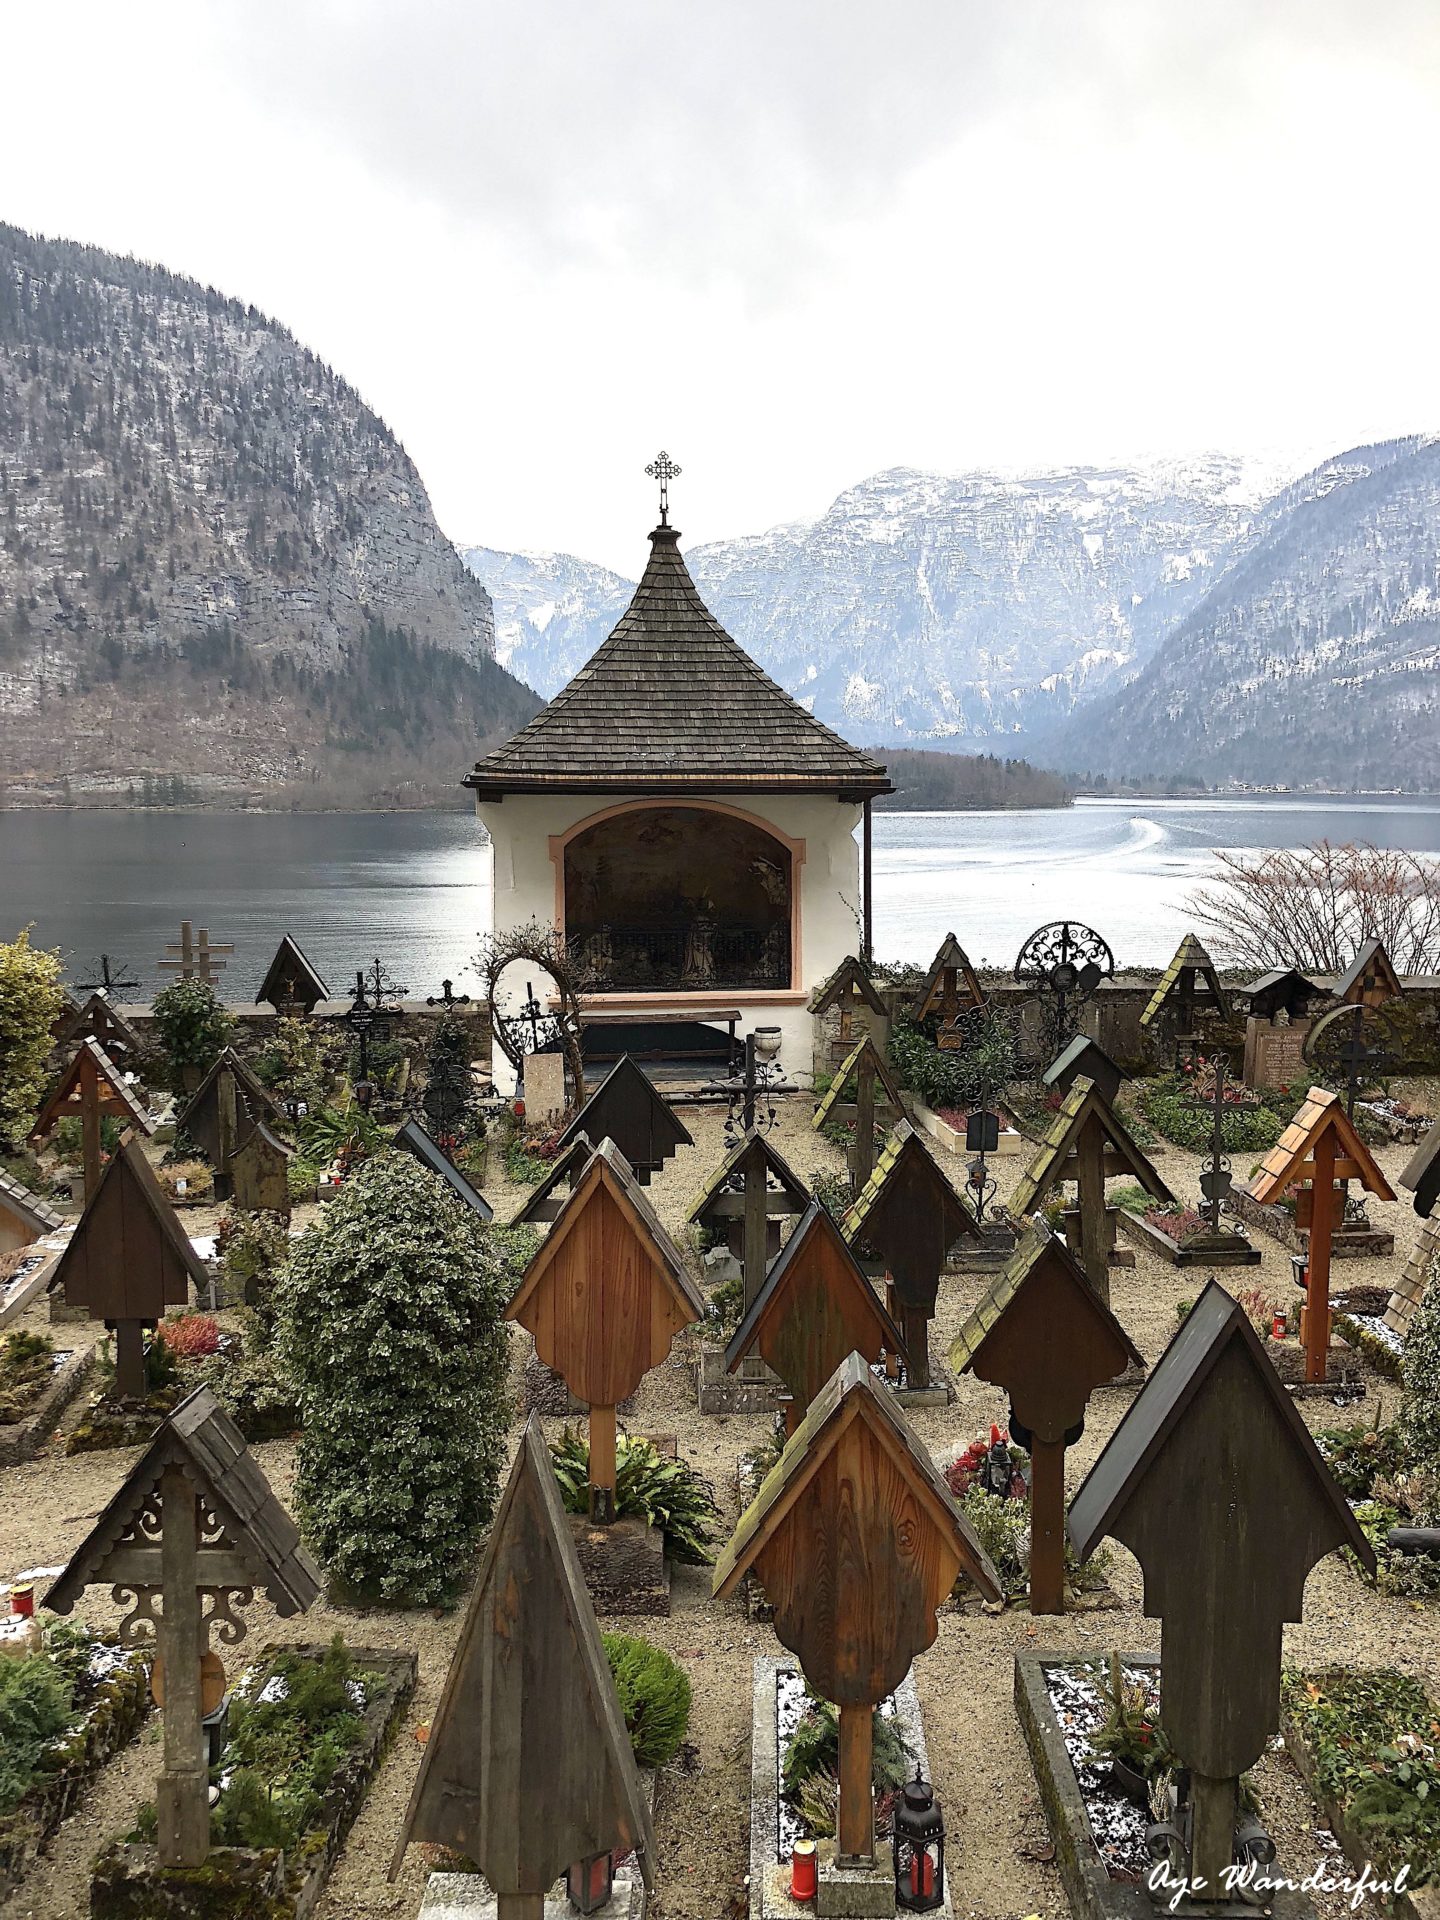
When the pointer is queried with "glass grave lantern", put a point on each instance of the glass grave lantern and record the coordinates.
(919, 1847)
(590, 1883)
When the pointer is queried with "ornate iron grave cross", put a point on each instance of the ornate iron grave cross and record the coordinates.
(664, 470)
(364, 1012)
(1065, 961)
(446, 998)
(109, 982)
(1209, 1095)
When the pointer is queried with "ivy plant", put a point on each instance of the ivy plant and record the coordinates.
(30, 1001)
(191, 1024)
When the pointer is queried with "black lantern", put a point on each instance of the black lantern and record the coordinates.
(590, 1883)
(919, 1846)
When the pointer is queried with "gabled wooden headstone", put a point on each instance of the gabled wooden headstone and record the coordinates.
(128, 1259)
(1190, 977)
(849, 987)
(1415, 1277)
(627, 1109)
(912, 1216)
(411, 1137)
(221, 1112)
(24, 1216)
(1213, 1482)
(1089, 1144)
(1084, 1056)
(1370, 980)
(1043, 1334)
(528, 1768)
(754, 1189)
(856, 1542)
(545, 1202)
(815, 1307)
(260, 1173)
(90, 1088)
(194, 1522)
(291, 984)
(1285, 990)
(96, 1019)
(1422, 1171)
(1320, 1146)
(871, 1071)
(604, 1296)
(951, 986)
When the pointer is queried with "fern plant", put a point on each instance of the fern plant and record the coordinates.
(664, 1493)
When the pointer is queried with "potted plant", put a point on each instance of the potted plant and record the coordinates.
(1130, 1736)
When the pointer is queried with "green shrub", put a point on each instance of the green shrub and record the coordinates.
(1003, 1529)
(1358, 1455)
(70, 1136)
(654, 1694)
(954, 1078)
(328, 1132)
(299, 1063)
(34, 1707)
(255, 1390)
(1420, 1402)
(30, 1001)
(664, 1493)
(726, 1304)
(191, 1025)
(27, 1366)
(813, 1753)
(302, 1175)
(391, 1327)
(1242, 1129)
(833, 1191)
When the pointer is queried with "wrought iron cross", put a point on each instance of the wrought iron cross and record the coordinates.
(1216, 1179)
(664, 470)
(445, 998)
(108, 982)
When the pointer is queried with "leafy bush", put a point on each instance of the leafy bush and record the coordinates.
(283, 1751)
(654, 1694)
(525, 1164)
(833, 1191)
(812, 1760)
(254, 1250)
(191, 1025)
(1131, 1729)
(70, 1136)
(726, 1304)
(955, 1078)
(664, 1493)
(299, 1063)
(34, 1707)
(391, 1327)
(1420, 1403)
(255, 1390)
(1358, 1455)
(1002, 1526)
(190, 1336)
(30, 1001)
(27, 1366)
(328, 1133)
(302, 1175)
(1242, 1129)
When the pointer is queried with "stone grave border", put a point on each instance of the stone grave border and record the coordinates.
(1136, 1227)
(21, 1439)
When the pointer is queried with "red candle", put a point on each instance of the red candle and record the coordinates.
(922, 1875)
(803, 1871)
(22, 1602)
(1280, 1325)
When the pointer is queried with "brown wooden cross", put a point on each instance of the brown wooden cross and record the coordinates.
(195, 959)
(1320, 1146)
(1043, 1334)
(222, 1113)
(871, 1072)
(856, 1542)
(604, 1296)
(1213, 1482)
(90, 1088)
(755, 1189)
(528, 1769)
(192, 1532)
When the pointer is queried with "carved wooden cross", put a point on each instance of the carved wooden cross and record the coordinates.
(91, 1088)
(191, 1534)
(195, 959)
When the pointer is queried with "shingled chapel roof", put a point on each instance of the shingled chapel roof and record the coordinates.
(670, 703)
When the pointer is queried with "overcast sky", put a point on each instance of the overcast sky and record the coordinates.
(791, 242)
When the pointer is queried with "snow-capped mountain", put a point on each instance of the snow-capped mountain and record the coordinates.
(1315, 657)
(967, 609)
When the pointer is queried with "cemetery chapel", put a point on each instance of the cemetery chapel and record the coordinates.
(687, 825)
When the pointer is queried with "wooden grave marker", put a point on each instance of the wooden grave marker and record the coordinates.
(528, 1769)
(815, 1307)
(1089, 1144)
(97, 1020)
(1189, 979)
(545, 1202)
(1414, 1278)
(1276, 1026)
(1213, 1482)
(1087, 1056)
(1320, 1146)
(1421, 1174)
(192, 1532)
(411, 1137)
(128, 1259)
(1370, 980)
(1043, 1334)
(912, 1216)
(951, 986)
(291, 984)
(852, 994)
(90, 1088)
(604, 1296)
(856, 1541)
(871, 1071)
(222, 1112)
(24, 1216)
(749, 1196)
(193, 959)
(627, 1109)
(260, 1173)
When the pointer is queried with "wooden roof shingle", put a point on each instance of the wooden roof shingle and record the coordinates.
(1289, 1161)
(1190, 957)
(19, 1203)
(670, 703)
(864, 1048)
(115, 1096)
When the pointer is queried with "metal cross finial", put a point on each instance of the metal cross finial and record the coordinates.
(110, 981)
(664, 470)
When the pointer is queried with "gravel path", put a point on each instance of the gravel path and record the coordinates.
(965, 1680)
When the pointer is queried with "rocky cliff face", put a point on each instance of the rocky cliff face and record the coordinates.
(217, 566)
(1314, 658)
